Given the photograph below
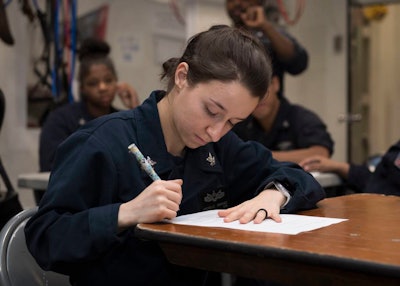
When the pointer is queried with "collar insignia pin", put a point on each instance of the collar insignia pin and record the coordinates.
(211, 159)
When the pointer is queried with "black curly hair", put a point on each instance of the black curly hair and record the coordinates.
(94, 51)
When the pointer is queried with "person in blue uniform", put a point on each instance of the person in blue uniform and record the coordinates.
(98, 86)
(384, 178)
(97, 191)
(291, 131)
(261, 18)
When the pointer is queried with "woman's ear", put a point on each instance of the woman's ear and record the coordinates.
(275, 85)
(181, 74)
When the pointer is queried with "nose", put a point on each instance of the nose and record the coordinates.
(216, 131)
(103, 85)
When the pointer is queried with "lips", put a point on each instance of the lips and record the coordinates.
(106, 97)
(200, 140)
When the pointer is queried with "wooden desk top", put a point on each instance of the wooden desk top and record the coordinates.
(367, 244)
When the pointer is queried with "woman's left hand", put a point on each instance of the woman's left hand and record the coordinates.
(266, 205)
(128, 95)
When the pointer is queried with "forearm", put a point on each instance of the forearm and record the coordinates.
(281, 44)
(298, 155)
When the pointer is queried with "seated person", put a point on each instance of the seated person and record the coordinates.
(385, 179)
(98, 85)
(98, 193)
(290, 131)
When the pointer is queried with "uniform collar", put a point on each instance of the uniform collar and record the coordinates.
(152, 143)
(206, 158)
(149, 134)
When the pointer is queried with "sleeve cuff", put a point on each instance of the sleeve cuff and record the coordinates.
(280, 188)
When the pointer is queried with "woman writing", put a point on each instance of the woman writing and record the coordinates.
(97, 191)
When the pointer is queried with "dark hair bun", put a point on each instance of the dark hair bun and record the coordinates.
(93, 47)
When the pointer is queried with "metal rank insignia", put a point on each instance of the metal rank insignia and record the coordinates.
(211, 159)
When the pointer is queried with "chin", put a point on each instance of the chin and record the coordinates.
(195, 145)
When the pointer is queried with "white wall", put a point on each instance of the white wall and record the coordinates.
(139, 23)
(384, 86)
(322, 87)
(18, 145)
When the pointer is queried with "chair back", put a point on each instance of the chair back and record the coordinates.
(17, 265)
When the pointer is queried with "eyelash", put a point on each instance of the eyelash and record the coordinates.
(208, 111)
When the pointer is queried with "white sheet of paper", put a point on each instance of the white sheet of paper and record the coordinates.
(291, 223)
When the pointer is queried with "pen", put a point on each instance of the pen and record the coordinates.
(143, 162)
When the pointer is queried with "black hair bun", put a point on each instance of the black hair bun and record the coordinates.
(93, 47)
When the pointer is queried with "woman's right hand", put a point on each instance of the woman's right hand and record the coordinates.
(158, 201)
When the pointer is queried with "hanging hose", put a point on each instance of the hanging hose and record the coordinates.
(73, 49)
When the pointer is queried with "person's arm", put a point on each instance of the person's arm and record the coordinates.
(128, 95)
(282, 45)
(96, 189)
(323, 164)
(254, 17)
(356, 176)
(54, 131)
(64, 206)
(298, 155)
(308, 133)
(251, 172)
(269, 200)
(160, 200)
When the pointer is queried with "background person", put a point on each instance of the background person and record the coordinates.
(384, 179)
(286, 52)
(292, 132)
(98, 85)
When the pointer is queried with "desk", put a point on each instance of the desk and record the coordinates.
(37, 181)
(40, 180)
(365, 250)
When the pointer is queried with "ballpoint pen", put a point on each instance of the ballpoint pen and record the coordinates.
(143, 162)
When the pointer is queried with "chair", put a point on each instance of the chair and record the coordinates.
(17, 265)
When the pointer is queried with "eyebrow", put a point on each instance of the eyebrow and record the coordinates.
(224, 109)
